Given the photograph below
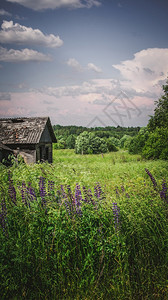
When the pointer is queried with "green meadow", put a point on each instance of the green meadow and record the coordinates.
(84, 227)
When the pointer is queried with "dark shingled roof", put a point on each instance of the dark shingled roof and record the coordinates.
(24, 130)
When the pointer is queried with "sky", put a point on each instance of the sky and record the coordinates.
(83, 62)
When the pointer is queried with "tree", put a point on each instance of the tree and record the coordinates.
(112, 144)
(138, 142)
(70, 142)
(157, 144)
(88, 143)
(125, 141)
(160, 118)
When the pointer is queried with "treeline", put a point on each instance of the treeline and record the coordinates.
(67, 135)
(150, 141)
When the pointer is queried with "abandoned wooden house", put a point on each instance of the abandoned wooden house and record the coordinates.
(5, 152)
(32, 138)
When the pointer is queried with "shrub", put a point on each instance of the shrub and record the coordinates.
(88, 143)
(138, 142)
(157, 144)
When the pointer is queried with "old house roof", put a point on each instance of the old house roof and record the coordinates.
(24, 130)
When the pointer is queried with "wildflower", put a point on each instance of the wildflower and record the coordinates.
(152, 178)
(98, 192)
(42, 191)
(23, 193)
(87, 195)
(117, 192)
(163, 192)
(116, 212)
(50, 186)
(78, 199)
(31, 192)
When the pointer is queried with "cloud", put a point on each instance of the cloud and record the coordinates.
(23, 55)
(18, 34)
(55, 4)
(145, 71)
(5, 13)
(72, 62)
(94, 68)
(5, 96)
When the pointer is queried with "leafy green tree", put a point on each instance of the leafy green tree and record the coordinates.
(125, 141)
(157, 144)
(160, 117)
(138, 142)
(88, 143)
(112, 144)
(70, 142)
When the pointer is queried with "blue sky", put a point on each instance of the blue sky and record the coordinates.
(83, 62)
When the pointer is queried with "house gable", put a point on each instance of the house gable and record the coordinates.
(30, 137)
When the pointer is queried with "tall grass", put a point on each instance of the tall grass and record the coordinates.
(86, 227)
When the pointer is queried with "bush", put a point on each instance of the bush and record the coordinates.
(88, 143)
(125, 141)
(157, 144)
(111, 145)
(138, 142)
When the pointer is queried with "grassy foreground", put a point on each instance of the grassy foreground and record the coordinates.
(85, 227)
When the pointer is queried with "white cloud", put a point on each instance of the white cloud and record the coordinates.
(55, 4)
(18, 34)
(23, 55)
(144, 72)
(72, 62)
(94, 68)
(5, 13)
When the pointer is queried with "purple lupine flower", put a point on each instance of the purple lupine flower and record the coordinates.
(122, 189)
(11, 189)
(3, 215)
(99, 194)
(90, 195)
(163, 192)
(78, 199)
(152, 178)
(117, 192)
(50, 187)
(116, 215)
(23, 193)
(43, 193)
(31, 192)
(86, 196)
(71, 202)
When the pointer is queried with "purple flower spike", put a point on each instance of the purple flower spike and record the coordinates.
(163, 192)
(99, 194)
(116, 214)
(50, 187)
(42, 191)
(23, 193)
(78, 199)
(152, 178)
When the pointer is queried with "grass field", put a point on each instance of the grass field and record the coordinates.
(85, 227)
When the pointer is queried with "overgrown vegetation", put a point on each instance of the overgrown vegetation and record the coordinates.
(85, 227)
(67, 135)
